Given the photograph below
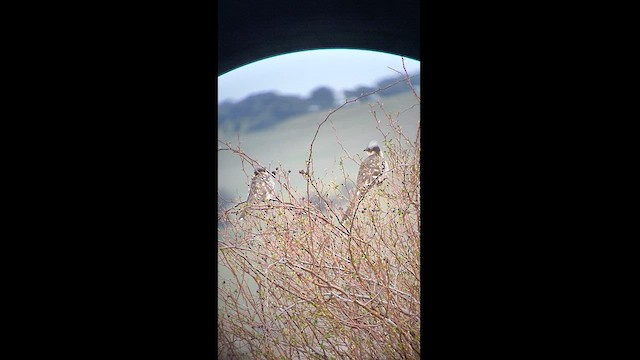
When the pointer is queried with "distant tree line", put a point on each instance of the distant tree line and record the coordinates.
(262, 110)
(394, 90)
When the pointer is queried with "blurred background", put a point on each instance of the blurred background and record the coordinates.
(272, 108)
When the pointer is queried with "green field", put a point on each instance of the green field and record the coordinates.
(286, 145)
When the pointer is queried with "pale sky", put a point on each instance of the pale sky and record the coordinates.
(300, 73)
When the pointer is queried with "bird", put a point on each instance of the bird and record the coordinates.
(371, 173)
(261, 189)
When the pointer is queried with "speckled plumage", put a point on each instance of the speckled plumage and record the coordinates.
(261, 189)
(371, 173)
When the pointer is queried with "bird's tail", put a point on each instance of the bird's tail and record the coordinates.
(349, 213)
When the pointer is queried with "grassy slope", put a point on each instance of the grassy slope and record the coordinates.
(288, 142)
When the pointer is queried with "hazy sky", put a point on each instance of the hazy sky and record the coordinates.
(299, 73)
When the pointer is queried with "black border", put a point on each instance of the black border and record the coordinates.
(130, 201)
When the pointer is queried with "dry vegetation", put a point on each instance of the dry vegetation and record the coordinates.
(303, 286)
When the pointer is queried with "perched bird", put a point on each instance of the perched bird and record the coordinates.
(262, 189)
(372, 171)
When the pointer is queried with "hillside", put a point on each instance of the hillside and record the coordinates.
(286, 144)
(262, 110)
